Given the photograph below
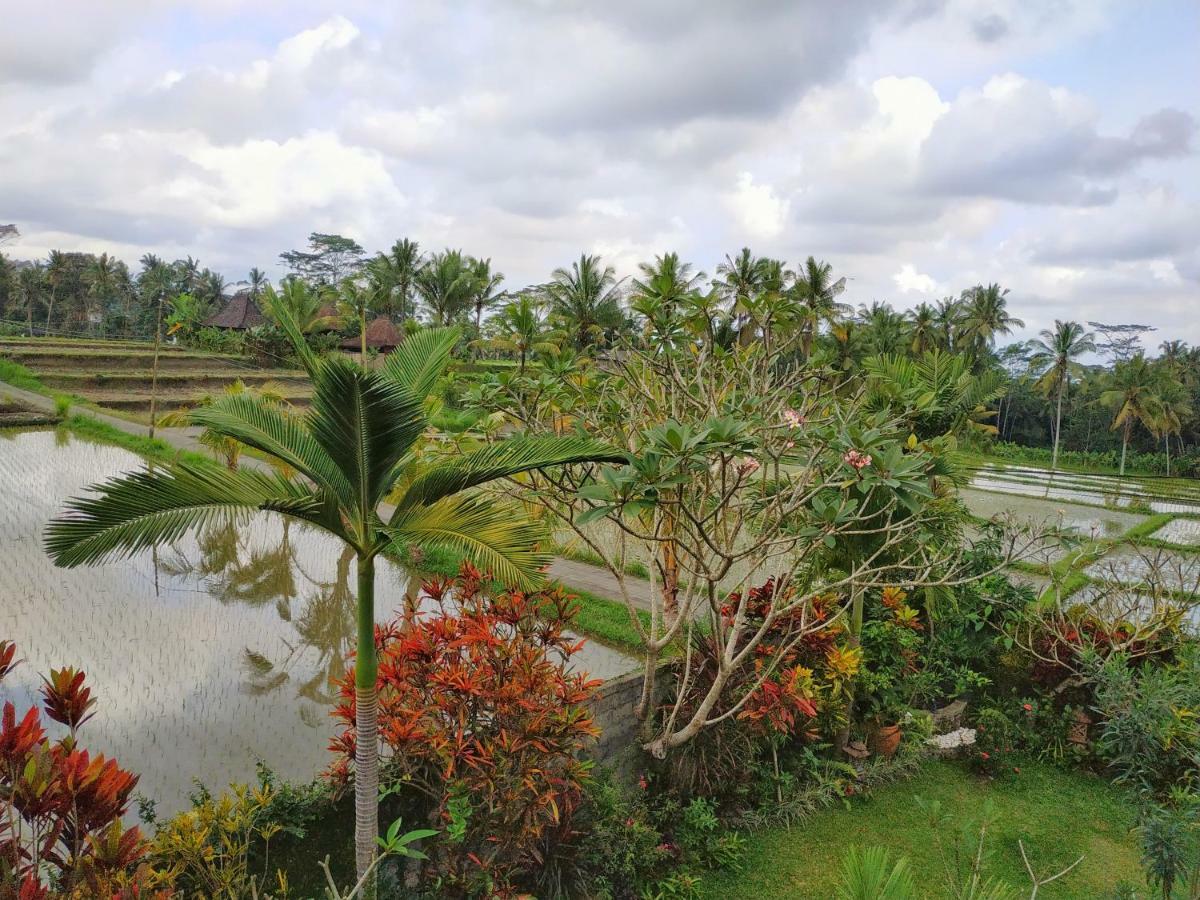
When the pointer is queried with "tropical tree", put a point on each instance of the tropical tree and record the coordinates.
(884, 329)
(257, 279)
(31, 284)
(923, 328)
(484, 292)
(356, 301)
(395, 272)
(1134, 399)
(305, 304)
(356, 478)
(446, 284)
(666, 287)
(1055, 355)
(817, 294)
(936, 394)
(740, 280)
(985, 315)
(948, 316)
(520, 328)
(587, 299)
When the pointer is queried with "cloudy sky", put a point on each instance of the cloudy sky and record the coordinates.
(918, 145)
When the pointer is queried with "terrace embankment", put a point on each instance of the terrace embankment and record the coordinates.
(117, 375)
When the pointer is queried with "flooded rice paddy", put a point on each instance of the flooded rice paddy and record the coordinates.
(206, 655)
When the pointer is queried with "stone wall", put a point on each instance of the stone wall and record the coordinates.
(614, 711)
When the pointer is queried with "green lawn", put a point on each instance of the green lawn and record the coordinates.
(1059, 815)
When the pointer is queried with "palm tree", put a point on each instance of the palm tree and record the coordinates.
(396, 272)
(1133, 396)
(446, 283)
(101, 278)
(885, 330)
(587, 298)
(663, 295)
(356, 301)
(211, 286)
(740, 280)
(351, 453)
(31, 282)
(520, 328)
(483, 293)
(948, 316)
(257, 280)
(1055, 354)
(923, 328)
(304, 303)
(817, 294)
(985, 316)
(938, 392)
(57, 266)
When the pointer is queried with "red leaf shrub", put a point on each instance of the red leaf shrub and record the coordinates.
(60, 828)
(478, 712)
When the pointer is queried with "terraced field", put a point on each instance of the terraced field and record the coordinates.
(116, 375)
(1132, 534)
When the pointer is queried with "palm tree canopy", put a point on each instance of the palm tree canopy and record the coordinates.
(1055, 352)
(351, 451)
(586, 297)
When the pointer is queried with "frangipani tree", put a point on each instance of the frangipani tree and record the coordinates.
(357, 477)
(744, 468)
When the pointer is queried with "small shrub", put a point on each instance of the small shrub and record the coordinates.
(481, 715)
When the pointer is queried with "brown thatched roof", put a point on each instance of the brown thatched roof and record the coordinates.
(240, 312)
(381, 334)
(329, 318)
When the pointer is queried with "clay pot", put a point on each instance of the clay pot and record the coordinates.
(886, 740)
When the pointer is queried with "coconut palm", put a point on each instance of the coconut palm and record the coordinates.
(663, 295)
(587, 298)
(949, 316)
(257, 279)
(885, 330)
(396, 271)
(446, 283)
(985, 316)
(1055, 355)
(356, 301)
(352, 453)
(817, 293)
(484, 293)
(31, 284)
(740, 280)
(1134, 399)
(521, 329)
(923, 328)
(307, 305)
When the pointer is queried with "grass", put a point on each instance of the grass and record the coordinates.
(151, 448)
(1059, 815)
(18, 376)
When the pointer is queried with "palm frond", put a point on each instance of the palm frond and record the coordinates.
(496, 537)
(421, 359)
(510, 457)
(261, 424)
(366, 423)
(155, 506)
(282, 314)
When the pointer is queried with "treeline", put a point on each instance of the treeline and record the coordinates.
(1088, 388)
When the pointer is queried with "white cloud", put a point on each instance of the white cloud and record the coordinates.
(908, 280)
(759, 210)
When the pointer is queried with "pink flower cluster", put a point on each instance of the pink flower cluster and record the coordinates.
(747, 466)
(793, 419)
(856, 459)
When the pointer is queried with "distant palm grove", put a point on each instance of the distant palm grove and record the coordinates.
(1081, 393)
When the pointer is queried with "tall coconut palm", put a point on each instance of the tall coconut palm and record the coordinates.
(817, 294)
(356, 301)
(587, 297)
(446, 283)
(885, 330)
(985, 316)
(31, 284)
(663, 295)
(1055, 355)
(1134, 399)
(740, 280)
(485, 292)
(923, 328)
(396, 272)
(949, 322)
(352, 454)
(257, 279)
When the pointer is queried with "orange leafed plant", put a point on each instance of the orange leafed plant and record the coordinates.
(481, 712)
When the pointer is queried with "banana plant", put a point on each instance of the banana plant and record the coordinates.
(352, 452)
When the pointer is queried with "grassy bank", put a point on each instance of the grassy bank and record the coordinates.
(1059, 815)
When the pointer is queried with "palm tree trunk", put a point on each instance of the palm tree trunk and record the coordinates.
(362, 339)
(154, 368)
(1167, 447)
(1058, 424)
(366, 726)
(1124, 447)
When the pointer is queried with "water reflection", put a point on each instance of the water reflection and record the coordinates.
(206, 654)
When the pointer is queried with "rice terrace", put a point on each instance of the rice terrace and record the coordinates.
(619, 452)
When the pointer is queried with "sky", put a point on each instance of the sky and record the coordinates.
(919, 146)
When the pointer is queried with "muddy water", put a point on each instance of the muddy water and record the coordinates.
(206, 655)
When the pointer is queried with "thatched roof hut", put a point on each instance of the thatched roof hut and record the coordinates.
(382, 335)
(240, 313)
